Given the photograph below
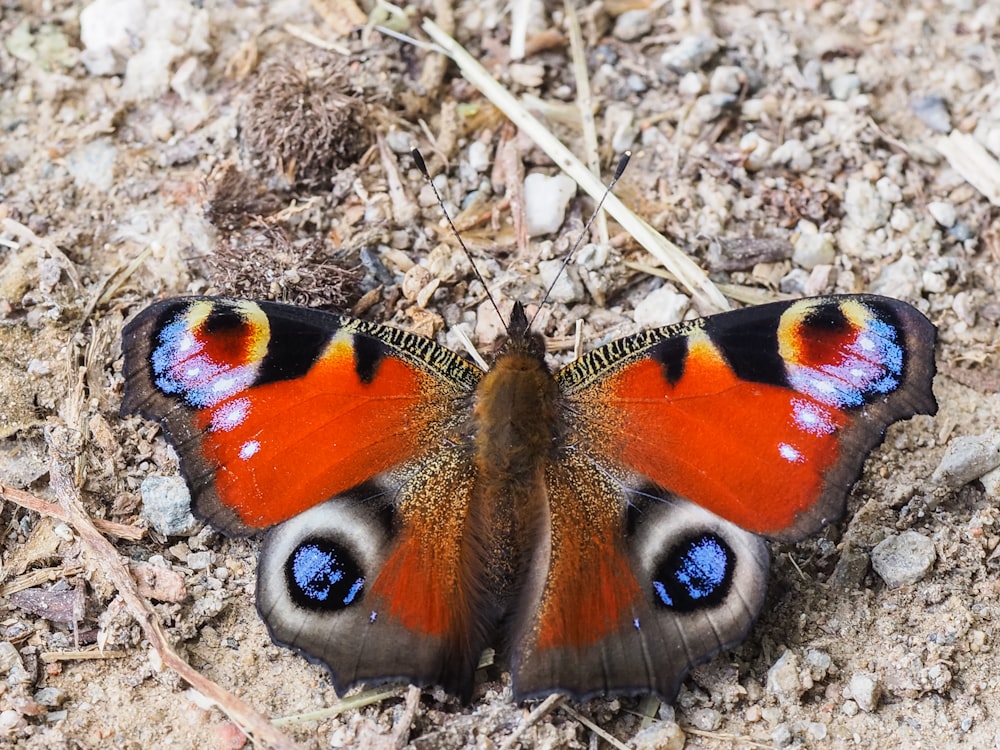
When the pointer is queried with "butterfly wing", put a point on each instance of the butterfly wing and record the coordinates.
(274, 408)
(763, 416)
(355, 432)
(380, 584)
(633, 589)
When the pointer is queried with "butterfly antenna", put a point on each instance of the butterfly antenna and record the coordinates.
(418, 159)
(619, 170)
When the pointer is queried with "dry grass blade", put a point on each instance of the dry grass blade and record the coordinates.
(103, 554)
(585, 103)
(37, 577)
(977, 167)
(609, 738)
(686, 271)
(543, 710)
(367, 698)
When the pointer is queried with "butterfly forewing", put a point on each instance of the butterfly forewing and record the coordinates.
(763, 416)
(274, 408)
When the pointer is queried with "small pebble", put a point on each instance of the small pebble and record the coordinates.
(793, 154)
(93, 165)
(888, 190)
(866, 689)
(662, 735)
(781, 736)
(991, 483)
(817, 730)
(11, 664)
(783, 678)
(851, 568)
(633, 24)
(479, 157)
(9, 719)
(158, 581)
(51, 696)
(758, 150)
(691, 53)
(692, 84)
(819, 663)
(812, 247)
(968, 458)
(903, 559)
(933, 112)
(200, 560)
(845, 86)
(166, 504)
(943, 213)
(545, 201)
(109, 30)
(230, 736)
(662, 307)
(727, 79)
(705, 719)
(566, 286)
(863, 206)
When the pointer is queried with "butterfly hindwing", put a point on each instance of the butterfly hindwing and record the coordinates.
(274, 408)
(763, 416)
(379, 583)
(634, 588)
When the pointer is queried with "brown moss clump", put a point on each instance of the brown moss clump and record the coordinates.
(302, 121)
(265, 263)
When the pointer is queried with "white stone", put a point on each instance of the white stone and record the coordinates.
(108, 29)
(863, 206)
(783, 678)
(967, 458)
(545, 200)
(662, 307)
(812, 247)
(166, 504)
(479, 157)
(943, 213)
(866, 689)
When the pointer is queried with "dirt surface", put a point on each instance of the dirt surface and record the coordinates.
(213, 147)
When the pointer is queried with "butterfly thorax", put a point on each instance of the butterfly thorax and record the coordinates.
(515, 419)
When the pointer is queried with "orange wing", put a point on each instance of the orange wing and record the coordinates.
(273, 408)
(764, 416)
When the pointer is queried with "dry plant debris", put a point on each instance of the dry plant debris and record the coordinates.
(303, 121)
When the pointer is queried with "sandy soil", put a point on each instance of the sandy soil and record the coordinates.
(207, 148)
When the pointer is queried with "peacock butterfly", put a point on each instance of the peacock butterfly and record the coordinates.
(604, 525)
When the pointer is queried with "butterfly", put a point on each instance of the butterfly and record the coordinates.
(603, 525)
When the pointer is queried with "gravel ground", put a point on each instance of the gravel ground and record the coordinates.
(158, 148)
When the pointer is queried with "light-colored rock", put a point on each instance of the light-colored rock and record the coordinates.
(968, 458)
(166, 504)
(545, 200)
(903, 559)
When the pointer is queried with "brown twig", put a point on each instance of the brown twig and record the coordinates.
(105, 556)
(45, 508)
(89, 655)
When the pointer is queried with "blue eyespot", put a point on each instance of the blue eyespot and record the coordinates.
(695, 573)
(322, 575)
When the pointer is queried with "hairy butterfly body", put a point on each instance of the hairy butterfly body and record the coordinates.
(603, 525)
